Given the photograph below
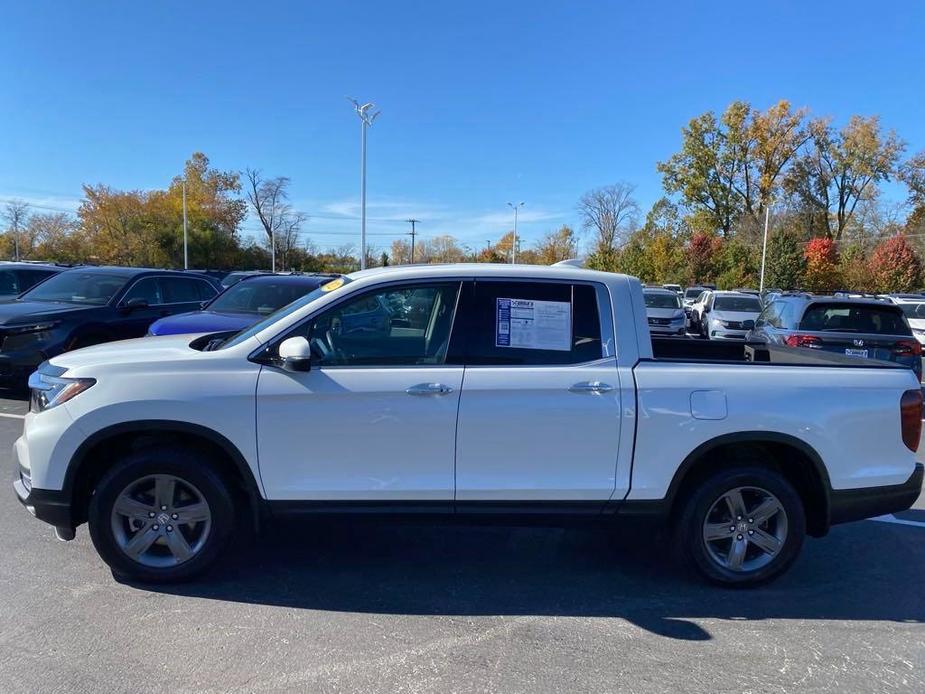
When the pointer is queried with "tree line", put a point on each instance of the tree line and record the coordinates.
(818, 185)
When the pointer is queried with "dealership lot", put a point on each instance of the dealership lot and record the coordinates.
(363, 608)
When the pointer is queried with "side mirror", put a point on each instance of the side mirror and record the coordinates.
(137, 302)
(296, 354)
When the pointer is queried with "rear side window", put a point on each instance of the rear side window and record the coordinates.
(182, 290)
(533, 323)
(854, 318)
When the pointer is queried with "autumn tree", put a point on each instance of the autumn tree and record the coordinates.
(842, 167)
(609, 214)
(785, 262)
(701, 253)
(854, 267)
(821, 265)
(912, 173)
(556, 246)
(895, 267)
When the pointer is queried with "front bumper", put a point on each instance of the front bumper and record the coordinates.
(49, 505)
(727, 334)
(869, 502)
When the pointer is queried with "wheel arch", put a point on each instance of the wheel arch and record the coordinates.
(798, 461)
(97, 454)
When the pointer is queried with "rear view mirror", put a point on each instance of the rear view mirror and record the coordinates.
(296, 354)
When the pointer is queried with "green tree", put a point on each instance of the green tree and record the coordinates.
(785, 263)
(737, 265)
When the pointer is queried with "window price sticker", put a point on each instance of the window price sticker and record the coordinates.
(530, 324)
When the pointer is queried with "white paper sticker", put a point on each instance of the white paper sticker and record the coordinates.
(529, 324)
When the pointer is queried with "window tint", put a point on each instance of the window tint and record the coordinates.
(494, 334)
(78, 287)
(30, 278)
(148, 289)
(914, 311)
(259, 297)
(395, 326)
(661, 300)
(9, 283)
(180, 290)
(772, 314)
(854, 318)
(737, 303)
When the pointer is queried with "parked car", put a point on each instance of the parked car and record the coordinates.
(15, 278)
(169, 447)
(913, 307)
(863, 328)
(242, 304)
(727, 315)
(664, 312)
(88, 305)
(695, 312)
(690, 296)
(234, 277)
(676, 288)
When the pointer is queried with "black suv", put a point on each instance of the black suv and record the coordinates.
(89, 305)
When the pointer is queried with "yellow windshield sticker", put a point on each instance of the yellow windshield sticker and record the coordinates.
(332, 285)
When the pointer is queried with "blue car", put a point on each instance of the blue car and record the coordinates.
(242, 304)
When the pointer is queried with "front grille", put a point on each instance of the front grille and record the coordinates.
(659, 321)
(735, 325)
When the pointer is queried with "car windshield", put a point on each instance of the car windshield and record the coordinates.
(737, 303)
(247, 333)
(692, 293)
(854, 318)
(659, 300)
(914, 311)
(260, 297)
(78, 287)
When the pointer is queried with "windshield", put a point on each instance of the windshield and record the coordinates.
(737, 303)
(692, 293)
(260, 297)
(247, 333)
(914, 311)
(78, 287)
(654, 300)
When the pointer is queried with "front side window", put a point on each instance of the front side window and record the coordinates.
(533, 323)
(78, 287)
(148, 289)
(398, 326)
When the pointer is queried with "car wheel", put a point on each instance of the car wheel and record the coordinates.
(741, 527)
(161, 515)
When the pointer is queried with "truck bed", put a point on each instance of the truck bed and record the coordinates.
(731, 351)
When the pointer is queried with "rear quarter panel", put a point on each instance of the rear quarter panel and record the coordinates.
(849, 416)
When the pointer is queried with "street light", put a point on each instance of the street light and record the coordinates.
(366, 120)
(514, 241)
(764, 246)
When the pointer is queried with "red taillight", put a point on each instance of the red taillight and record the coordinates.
(907, 348)
(910, 414)
(810, 341)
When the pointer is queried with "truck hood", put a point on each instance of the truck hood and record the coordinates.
(140, 350)
(203, 322)
(22, 312)
(737, 316)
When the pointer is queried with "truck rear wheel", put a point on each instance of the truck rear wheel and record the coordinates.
(742, 526)
(160, 515)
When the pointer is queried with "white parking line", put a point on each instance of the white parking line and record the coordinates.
(12, 416)
(898, 521)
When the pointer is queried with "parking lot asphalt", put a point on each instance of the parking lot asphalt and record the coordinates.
(338, 607)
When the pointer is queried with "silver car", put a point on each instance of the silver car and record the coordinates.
(663, 309)
(728, 315)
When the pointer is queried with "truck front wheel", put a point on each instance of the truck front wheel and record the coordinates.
(741, 526)
(160, 515)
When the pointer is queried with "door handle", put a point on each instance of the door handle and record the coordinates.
(591, 387)
(429, 389)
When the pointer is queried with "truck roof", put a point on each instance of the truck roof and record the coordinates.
(561, 272)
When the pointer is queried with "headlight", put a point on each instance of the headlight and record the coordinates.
(31, 328)
(50, 391)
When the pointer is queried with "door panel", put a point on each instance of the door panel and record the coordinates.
(355, 433)
(538, 433)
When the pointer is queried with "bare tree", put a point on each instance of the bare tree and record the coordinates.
(16, 213)
(269, 198)
(609, 213)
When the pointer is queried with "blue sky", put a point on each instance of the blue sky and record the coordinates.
(482, 102)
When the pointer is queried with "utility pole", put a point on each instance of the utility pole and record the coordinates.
(185, 236)
(514, 240)
(366, 120)
(764, 247)
(412, 234)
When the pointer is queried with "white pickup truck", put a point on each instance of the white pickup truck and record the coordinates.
(463, 391)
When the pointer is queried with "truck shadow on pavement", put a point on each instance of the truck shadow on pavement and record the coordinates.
(863, 571)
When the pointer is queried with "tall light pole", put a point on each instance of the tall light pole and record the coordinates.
(764, 247)
(514, 242)
(366, 120)
(185, 241)
(412, 234)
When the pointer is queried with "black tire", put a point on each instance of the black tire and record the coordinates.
(189, 468)
(689, 529)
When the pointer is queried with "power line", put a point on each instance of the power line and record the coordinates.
(413, 233)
